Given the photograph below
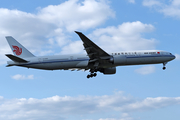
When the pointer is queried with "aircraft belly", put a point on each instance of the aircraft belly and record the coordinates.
(58, 65)
(48, 66)
(67, 65)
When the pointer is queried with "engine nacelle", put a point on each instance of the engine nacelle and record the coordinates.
(118, 60)
(108, 70)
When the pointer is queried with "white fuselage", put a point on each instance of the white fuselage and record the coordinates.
(65, 62)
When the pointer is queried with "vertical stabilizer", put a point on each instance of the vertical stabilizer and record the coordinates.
(18, 49)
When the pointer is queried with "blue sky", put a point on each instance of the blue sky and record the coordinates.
(47, 28)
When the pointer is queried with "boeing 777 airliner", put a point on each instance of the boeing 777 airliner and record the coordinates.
(95, 60)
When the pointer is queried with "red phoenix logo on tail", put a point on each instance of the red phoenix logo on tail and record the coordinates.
(17, 50)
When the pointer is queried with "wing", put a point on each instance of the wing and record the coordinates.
(95, 53)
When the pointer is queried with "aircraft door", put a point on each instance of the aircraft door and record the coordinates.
(40, 60)
(71, 57)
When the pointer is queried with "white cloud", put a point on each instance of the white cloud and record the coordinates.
(51, 25)
(49, 29)
(4, 50)
(124, 116)
(124, 37)
(57, 107)
(131, 1)
(171, 9)
(177, 56)
(153, 103)
(145, 70)
(22, 77)
(150, 3)
(127, 36)
(77, 15)
(73, 48)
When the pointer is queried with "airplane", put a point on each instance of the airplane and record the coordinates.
(96, 59)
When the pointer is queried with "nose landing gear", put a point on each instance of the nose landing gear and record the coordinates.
(164, 65)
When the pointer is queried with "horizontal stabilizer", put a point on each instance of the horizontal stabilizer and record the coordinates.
(9, 65)
(16, 59)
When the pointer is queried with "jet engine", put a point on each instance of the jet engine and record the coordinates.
(108, 71)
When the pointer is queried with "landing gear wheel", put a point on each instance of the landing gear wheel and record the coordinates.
(164, 65)
(95, 74)
(164, 68)
(92, 75)
(88, 76)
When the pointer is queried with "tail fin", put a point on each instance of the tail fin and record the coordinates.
(18, 49)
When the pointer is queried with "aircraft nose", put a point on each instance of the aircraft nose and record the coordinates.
(173, 57)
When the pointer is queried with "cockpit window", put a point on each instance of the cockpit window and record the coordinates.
(170, 53)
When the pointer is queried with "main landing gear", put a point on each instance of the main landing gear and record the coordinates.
(92, 74)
